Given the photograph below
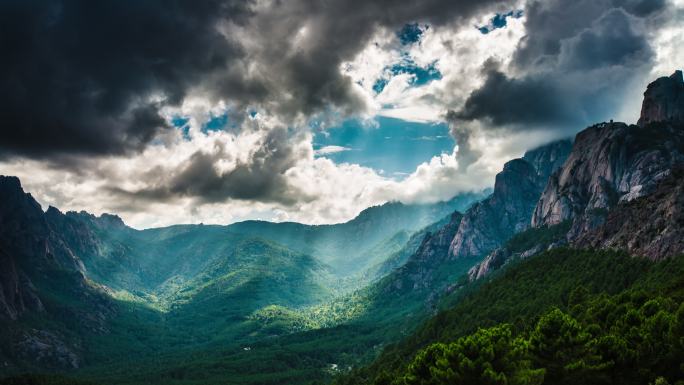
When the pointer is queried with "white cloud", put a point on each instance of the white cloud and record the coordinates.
(330, 150)
(458, 54)
(329, 192)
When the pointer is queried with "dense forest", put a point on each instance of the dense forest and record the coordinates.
(561, 317)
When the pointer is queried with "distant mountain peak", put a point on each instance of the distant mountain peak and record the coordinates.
(664, 100)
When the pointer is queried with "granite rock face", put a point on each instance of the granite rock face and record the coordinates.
(37, 265)
(48, 349)
(664, 100)
(620, 187)
(508, 210)
(651, 226)
(614, 162)
(24, 236)
(610, 163)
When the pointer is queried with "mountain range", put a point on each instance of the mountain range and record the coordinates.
(390, 297)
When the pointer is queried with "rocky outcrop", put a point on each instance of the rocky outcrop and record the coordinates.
(508, 210)
(619, 188)
(664, 101)
(491, 262)
(610, 163)
(48, 350)
(614, 162)
(650, 226)
(40, 273)
(522, 245)
(22, 233)
(17, 293)
(418, 273)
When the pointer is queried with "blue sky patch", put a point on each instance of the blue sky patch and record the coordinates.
(422, 75)
(379, 85)
(216, 123)
(411, 33)
(395, 146)
(499, 21)
(181, 123)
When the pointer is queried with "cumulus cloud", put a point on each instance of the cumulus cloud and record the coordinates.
(197, 181)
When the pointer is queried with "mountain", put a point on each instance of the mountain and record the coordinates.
(78, 289)
(618, 188)
(614, 162)
(537, 280)
(508, 210)
(346, 246)
(69, 280)
(154, 261)
(664, 100)
(41, 278)
(564, 300)
(410, 291)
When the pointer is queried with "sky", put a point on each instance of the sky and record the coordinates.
(168, 112)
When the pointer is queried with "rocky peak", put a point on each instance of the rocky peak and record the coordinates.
(15, 203)
(112, 220)
(30, 243)
(609, 163)
(664, 100)
(508, 210)
(549, 158)
(104, 221)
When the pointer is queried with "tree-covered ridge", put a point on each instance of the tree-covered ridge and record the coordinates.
(626, 339)
(573, 316)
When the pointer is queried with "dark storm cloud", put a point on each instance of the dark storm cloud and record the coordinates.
(305, 42)
(259, 178)
(611, 42)
(504, 101)
(574, 65)
(82, 76)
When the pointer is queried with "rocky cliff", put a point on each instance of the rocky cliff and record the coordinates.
(449, 251)
(620, 187)
(650, 226)
(419, 272)
(26, 244)
(38, 270)
(508, 210)
(664, 101)
(610, 162)
(614, 162)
